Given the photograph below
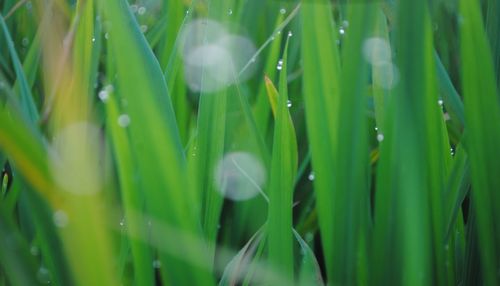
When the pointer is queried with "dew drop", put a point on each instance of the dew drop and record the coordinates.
(380, 137)
(289, 103)
(309, 237)
(342, 31)
(141, 10)
(93, 40)
(60, 218)
(43, 275)
(446, 116)
(156, 263)
(230, 12)
(345, 24)
(34, 250)
(280, 65)
(122, 222)
(290, 33)
(103, 95)
(124, 120)
(144, 28)
(282, 11)
(440, 102)
(106, 36)
(311, 176)
(134, 8)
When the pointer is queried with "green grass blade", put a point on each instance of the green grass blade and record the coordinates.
(261, 107)
(133, 201)
(451, 99)
(210, 149)
(409, 219)
(282, 179)
(321, 91)
(25, 97)
(309, 273)
(350, 193)
(482, 114)
(15, 259)
(155, 139)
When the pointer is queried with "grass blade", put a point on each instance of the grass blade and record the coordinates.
(321, 91)
(482, 113)
(282, 179)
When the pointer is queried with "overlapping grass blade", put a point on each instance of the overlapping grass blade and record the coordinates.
(351, 185)
(133, 201)
(409, 220)
(25, 96)
(19, 265)
(482, 114)
(154, 136)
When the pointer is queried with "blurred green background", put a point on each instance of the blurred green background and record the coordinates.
(249, 142)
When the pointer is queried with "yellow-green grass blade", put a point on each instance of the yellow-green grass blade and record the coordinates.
(282, 179)
(321, 92)
(26, 150)
(87, 47)
(155, 140)
(28, 155)
(482, 114)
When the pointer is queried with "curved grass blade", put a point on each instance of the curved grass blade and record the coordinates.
(309, 273)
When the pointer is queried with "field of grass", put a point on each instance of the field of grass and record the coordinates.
(249, 142)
